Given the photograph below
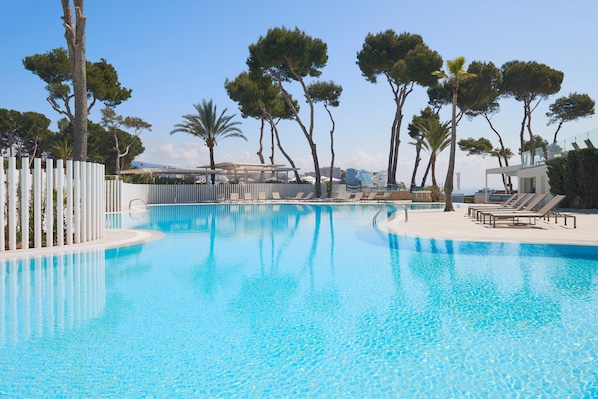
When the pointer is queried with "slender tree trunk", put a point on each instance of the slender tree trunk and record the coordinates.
(433, 167)
(307, 133)
(522, 132)
(426, 173)
(503, 153)
(284, 153)
(274, 131)
(117, 163)
(331, 150)
(557, 130)
(259, 152)
(418, 149)
(212, 165)
(390, 170)
(400, 95)
(448, 184)
(75, 38)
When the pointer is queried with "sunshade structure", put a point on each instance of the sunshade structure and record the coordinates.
(170, 172)
(510, 171)
(256, 171)
(246, 172)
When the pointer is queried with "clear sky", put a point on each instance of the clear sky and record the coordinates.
(174, 54)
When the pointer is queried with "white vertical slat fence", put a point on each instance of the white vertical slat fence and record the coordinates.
(52, 205)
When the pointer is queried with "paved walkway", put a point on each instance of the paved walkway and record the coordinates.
(458, 226)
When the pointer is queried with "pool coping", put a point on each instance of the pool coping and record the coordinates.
(114, 238)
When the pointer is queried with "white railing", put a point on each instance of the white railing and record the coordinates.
(50, 206)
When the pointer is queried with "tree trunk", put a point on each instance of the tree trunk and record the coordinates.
(331, 151)
(275, 135)
(503, 154)
(75, 39)
(259, 152)
(212, 165)
(426, 173)
(284, 153)
(433, 167)
(418, 149)
(307, 133)
(448, 184)
(522, 132)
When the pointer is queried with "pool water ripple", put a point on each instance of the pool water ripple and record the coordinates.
(299, 301)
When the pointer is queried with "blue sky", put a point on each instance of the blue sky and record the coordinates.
(174, 54)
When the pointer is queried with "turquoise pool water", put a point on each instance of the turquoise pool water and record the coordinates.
(299, 301)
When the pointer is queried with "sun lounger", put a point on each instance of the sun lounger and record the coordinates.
(516, 215)
(527, 206)
(357, 197)
(234, 196)
(324, 196)
(297, 197)
(341, 197)
(385, 196)
(276, 196)
(307, 197)
(472, 210)
(248, 197)
(518, 204)
(261, 196)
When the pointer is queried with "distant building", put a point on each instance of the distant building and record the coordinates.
(366, 178)
(352, 176)
(336, 172)
(380, 178)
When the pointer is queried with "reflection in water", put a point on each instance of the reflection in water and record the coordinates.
(273, 300)
(48, 294)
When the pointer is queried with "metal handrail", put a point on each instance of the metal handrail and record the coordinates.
(137, 199)
(375, 224)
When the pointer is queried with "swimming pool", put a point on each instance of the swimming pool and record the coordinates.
(299, 300)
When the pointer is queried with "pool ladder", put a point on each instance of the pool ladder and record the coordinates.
(137, 199)
(374, 219)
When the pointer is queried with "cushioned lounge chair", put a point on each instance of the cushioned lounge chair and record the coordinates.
(472, 210)
(357, 197)
(516, 215)
(387, 195)
(324, 196)
(529, 206)
(518, 204)
(341, 197)
(297, 197)
(307, 197)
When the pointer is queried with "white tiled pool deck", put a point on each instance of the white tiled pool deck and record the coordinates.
(459, 226)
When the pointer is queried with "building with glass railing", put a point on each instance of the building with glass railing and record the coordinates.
(531, 174)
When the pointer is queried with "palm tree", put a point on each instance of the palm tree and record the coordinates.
(456, 75)
(62, 149)
(209, 127)
(435, 138)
